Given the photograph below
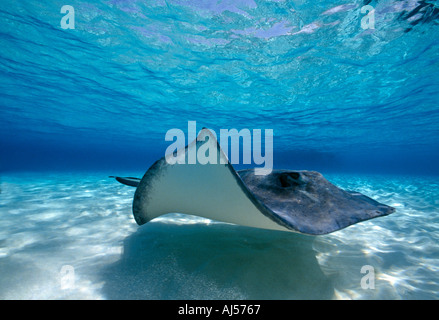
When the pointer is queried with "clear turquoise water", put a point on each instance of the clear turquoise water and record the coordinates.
(360, 106)
(104, 94)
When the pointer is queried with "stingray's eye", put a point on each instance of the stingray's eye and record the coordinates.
(290, 179)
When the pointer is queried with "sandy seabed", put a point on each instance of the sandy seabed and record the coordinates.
(72, 236)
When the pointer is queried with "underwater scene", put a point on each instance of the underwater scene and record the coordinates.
(219, 149)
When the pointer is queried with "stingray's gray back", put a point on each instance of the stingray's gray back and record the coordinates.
(309, 203)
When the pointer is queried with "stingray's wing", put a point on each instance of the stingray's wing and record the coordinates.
(299, 201)
(309, 203)
(214, 191)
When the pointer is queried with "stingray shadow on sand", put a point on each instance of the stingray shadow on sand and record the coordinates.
(216, 261)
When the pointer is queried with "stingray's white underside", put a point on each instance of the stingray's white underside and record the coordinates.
(213, 191)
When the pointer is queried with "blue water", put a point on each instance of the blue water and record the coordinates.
(76, 105)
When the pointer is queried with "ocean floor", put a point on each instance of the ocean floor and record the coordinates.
(72, 236)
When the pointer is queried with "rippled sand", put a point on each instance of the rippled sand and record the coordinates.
(84, 222)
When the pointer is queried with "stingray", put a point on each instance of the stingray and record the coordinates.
(289, 200)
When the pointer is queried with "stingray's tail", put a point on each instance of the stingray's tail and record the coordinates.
(129, 181)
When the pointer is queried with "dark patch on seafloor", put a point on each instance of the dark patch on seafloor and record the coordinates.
(216, 261)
